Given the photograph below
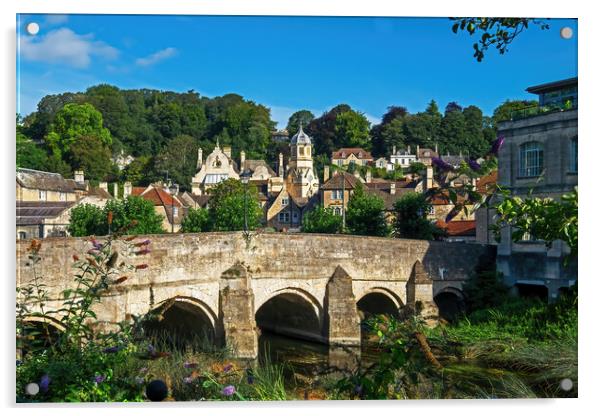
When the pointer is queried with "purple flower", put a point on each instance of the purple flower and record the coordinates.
(99, 379)
(228, 390)
(44, 383)
(96, 244)
(441, 164)
(142, 252)
(474, 165)
(151, 350)
(188, 380)
(112, 349)
(227, 368)
(497, 145)
(190, 365)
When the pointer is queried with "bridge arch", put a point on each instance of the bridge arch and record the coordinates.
(451, 302)
(379, 300)
(183, 321)
(291, 311)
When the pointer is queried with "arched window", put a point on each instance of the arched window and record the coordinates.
(573, 155)
(530, 159)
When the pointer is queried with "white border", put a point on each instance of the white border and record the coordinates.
(590, 95)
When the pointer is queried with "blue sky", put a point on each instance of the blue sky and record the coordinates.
(287, 63)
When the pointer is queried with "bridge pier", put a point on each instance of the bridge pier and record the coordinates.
(237, 312)
(342, 320)
(419, 292)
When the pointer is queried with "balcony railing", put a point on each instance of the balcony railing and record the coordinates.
(538, 110)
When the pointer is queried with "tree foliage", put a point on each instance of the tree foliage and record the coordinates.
(227, 208)
(301, 117)
(494, 31)
(322, 220)
(196, 221)
(411, 222)
(91, 155)
(366, 214)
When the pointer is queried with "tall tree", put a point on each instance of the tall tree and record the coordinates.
(301, 117)
(179, 158)
(91, 155)
(227, 208)
(453, 129)
(29, 155)
(352, 129)
(366, 214)
(322, 220)
(322, 129)
(474, 142)
(411, 222)
(196, 221)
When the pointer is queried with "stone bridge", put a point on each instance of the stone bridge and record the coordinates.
(229, 286)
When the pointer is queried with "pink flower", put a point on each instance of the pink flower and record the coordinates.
(228, 390)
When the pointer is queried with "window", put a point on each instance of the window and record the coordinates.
(295, 217)
(175, 211)
(530, 160)
(42, 195)
(338, 211)
(340, 162)
(22, 235)
(573, 159)
(285, 201)
(283, 217)
(62, 196)
(337, 194)
(431, 210)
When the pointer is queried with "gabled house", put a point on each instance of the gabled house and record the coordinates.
(351, 156)
(171, 209)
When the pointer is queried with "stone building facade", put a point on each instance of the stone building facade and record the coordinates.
(539, 157)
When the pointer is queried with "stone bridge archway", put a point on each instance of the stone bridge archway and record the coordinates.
(378, 300)
(451, 302)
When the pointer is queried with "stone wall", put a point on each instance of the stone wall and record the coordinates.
(192, 268)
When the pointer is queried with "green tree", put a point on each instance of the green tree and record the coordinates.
(91, 155)
(29, 155)
(73, 122)
(196, 221)
(504, 111)
(411, 222)
(301, 117)
(322, 129)
(322, 220)
(352, 129)
(87, 219)
(227, 208)
(136, 214)
(137, 171)
(179, 158)
(474, 142)
(366, 214)
(453, 130)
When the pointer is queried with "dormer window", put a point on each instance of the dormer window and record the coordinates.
(284, 201)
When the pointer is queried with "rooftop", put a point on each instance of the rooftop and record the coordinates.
(552, 86)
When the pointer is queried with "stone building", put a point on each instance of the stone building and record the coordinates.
(44, 201)
(171, 209)
(351, 156)
(401, 158)
(218, 167)
(539, 155)
(425, 155)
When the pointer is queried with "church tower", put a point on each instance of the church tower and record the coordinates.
(301, 178)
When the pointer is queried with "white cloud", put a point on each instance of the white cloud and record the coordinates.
(56, 19)
(66, 47)
(156, 57)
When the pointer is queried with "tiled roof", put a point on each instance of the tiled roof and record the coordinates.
(442, 198)
(346, 151)
(336, 181)
(465, 228)
(156, 195)
(33, 213)
(388, 198)
(35, 179)
(100, 193)
(422, 153)
(251, 165)
(385, 185)
(453, 160)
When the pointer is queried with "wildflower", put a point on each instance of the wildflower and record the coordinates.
(151, 349)
(120, 280)
(227, 368)
(35, 246)
(190, 365)
(142, 243)
(497, 145)
(99, 379)
(474, 165)
(188, 380)
(75, 257)
(250, 377)
(141, 266)
(142, 252)
(96, 244)
(131, 238)
(441, 164)
(44, 383)
(228, 390)
(92, 261)
(110, 217)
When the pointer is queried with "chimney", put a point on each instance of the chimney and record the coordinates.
(418, 150)
(127, 189)
(242, 159)
(394, 150)
(409, 151)
(115, 190)
(78, 175)
(104, 185)
(326, 173)
(392, 189)
(369, 176)
(228, 151)
(199, 161)
(280, 165)
(437, 148)
(429, 177)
